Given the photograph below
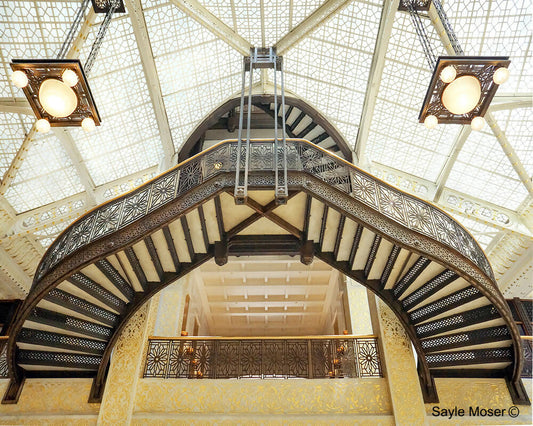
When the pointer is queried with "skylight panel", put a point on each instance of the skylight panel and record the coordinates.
(486, 185)
(330, 67)
(11, 136)
(197, 71)
(517, 125)
(128, 139)
(498, 27)
(46, 175)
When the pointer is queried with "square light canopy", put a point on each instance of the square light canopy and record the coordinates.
(462, 88)
(103, 6)
(420, 5)
(57, 91)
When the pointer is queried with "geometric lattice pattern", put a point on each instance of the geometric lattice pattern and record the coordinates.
(263, 359)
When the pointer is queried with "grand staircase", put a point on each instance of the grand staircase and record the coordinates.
(423, 264)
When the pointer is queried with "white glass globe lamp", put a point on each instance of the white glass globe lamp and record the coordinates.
(462, 95)
(448, 74)
(431, 122)
(57, 98)
(19, 79)
(501, 75)
(477, 123)
(42, 125)
(88, 124)
(69, 77)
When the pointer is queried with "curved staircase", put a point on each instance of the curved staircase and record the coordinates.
(422, 263)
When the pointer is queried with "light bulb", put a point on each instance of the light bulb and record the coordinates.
(448, 74)
(42, 125)
(462, 95)
(431, 122)
(57, 98)
(501, 75)
(19, 79)
(69, 77)
(88, 124)
(477, 123)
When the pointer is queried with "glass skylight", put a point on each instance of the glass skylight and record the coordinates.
(329, 68)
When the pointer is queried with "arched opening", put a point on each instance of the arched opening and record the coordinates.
(417, 259)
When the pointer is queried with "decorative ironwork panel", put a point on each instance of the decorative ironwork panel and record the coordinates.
(321, 358)
(157, 359)
(268, 358)
(403, 208)
(179, 360)
(3, 359)
(297, 359)
(227, 359)
(528, 359)
(368, 358)
(273, 358)
(251, 358)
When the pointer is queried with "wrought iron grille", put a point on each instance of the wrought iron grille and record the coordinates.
(3, 358)
(219, 358)
(302, 156)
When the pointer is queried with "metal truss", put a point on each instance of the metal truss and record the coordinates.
(142, 38)
(376, 71)
(320, 15)
(199, 13)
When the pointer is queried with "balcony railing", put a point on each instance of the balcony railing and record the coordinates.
(262, 358)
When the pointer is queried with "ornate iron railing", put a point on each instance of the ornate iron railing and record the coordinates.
(302, 155)
(3, 357)
(262, 358)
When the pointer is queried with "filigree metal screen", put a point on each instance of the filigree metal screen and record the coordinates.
(263, 358)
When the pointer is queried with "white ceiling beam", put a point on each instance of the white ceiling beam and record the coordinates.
(510, 105)
(144, 46)
(510, 152)
(204, 17)
(69, 145)
(512, 97)
(15, 106)
(73, 53)
(15, 271)
(328, 9)
(374, 78)
(22, 153)
(439, 29)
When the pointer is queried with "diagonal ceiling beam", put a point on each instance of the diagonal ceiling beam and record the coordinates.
(15, 271)
(204, 17)
(309, 24)
(73, 53)
(374, 79)
(68, 144)
(510, 152)
(15, 106)
(144, 46)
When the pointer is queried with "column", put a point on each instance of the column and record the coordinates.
(126, 367)
(359, 311)
(400, 367)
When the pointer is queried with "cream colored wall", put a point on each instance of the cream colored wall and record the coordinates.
(51, 401)
(359, 310)
(482, 393)
(182, 401)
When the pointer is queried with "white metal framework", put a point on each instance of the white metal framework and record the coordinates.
(165, 65)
